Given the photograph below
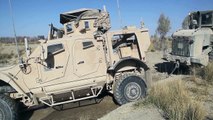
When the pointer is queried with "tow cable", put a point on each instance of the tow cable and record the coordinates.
(177, 65)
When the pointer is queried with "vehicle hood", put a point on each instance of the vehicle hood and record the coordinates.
(2, 69)
(184, 33)
(14, 69)
(192, 32)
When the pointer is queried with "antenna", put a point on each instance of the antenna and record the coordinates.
(14, 31)
(119, 13)
(104, 7)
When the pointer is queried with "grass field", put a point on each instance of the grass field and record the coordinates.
(8, 53)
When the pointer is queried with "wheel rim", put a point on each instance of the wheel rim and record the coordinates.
(132, 91)
(1, 115)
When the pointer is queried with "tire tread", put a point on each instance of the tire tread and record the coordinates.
(12, 104)
(117, 90)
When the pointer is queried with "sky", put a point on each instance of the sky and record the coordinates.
(31, 17)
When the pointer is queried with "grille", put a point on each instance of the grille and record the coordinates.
(180, 47)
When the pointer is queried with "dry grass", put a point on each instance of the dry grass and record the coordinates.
(151, 47)
(8, 54)
(5, 57)
(173, 98)
(207, 73)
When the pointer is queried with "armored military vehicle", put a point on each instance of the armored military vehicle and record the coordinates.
(193, 45)
(78, 62)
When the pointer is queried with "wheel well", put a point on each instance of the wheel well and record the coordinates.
(128, 62)
(2, 83)
(135, 63)
(5, 87)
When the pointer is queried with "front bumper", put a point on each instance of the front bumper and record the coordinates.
(175, 58)
(202, 59)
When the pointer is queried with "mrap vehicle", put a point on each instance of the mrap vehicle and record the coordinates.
(193, 45)
(78, 62)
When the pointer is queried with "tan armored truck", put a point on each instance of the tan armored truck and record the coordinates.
(78, 62)
(193, 45)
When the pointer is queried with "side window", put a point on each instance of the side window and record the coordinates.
(86, 24)
(87, 44)
(69, 27)
(54, 49)
(206, 18)
(51, 51)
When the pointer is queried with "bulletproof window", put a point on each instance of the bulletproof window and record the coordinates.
(69, 27)
(87, 44)
(86, 24)
(51, 51)
(54, 49)
(206, 18)
(124, 40)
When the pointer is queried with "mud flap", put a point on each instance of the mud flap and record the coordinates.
(148, 78)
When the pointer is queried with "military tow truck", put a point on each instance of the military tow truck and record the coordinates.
(193, 46)
(78, 62)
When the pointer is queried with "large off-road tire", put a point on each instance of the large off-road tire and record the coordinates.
(130, 87)
(8, 108)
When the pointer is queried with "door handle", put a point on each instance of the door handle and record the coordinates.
(58, 67)
(81, 62)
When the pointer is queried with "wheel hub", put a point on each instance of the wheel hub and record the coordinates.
(132, 91)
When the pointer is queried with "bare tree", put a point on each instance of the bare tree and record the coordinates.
(185, 23)
(162, 29)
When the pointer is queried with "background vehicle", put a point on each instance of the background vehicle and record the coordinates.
(193, 45)
(78, 62)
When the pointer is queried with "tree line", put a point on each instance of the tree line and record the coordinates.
(20, 39)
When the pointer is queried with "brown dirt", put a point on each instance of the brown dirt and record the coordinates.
(132, 112)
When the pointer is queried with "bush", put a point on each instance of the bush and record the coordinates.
(151, 47)
(173, 98)
(5, 58)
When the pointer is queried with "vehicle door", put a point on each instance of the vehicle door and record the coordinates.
(55, 62)
(88, 58)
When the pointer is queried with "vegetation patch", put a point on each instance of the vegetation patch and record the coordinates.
(207, 73)
(174, 100)
(4, 58)
(151, 47)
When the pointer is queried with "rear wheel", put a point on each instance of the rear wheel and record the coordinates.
(8, 108)
(130, 87)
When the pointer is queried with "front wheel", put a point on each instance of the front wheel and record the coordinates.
(8, 108)
(130, 87)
